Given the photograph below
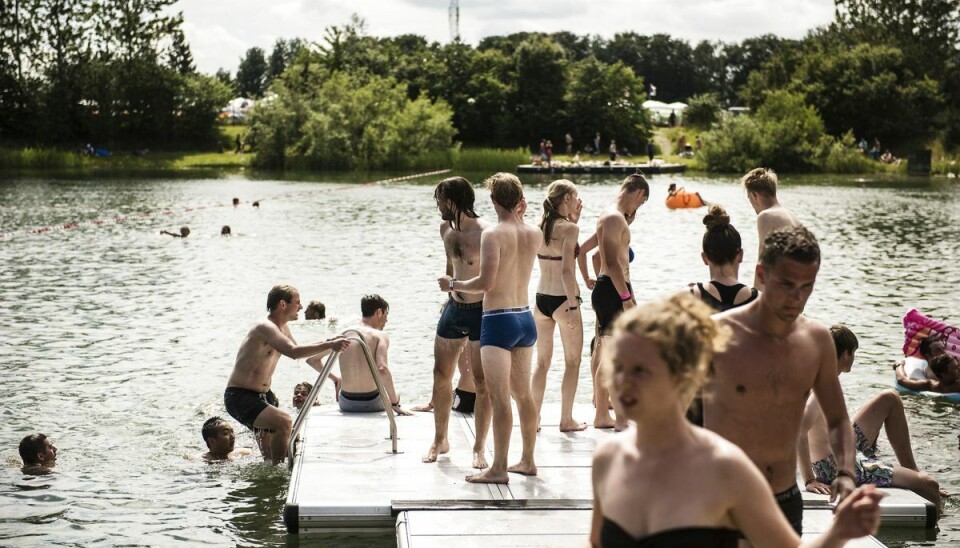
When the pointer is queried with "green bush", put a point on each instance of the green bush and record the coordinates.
(322, 120)
(40, 158)
(843, 156)
(703, 111)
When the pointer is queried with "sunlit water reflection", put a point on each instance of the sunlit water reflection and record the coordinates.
(118, 341)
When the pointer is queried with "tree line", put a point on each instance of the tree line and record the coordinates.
(102, 72)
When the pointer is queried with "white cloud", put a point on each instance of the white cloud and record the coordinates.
(220, 32)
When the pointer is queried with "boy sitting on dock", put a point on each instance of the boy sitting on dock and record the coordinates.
(885, 410)
(358, 389)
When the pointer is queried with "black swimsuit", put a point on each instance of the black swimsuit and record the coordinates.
(548, 304)
(728, 295)
(614, 536)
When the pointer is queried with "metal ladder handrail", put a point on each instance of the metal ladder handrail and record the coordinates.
(315, 391)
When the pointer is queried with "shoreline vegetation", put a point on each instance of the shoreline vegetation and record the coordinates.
(467, 159)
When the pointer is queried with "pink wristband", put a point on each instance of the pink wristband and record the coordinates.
(625, 295)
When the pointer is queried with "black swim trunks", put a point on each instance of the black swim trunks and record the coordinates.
(791, 504)
(463, 401)
(459, 320)
(606, 303)
(246, 405)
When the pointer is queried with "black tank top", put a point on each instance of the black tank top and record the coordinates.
(728, 295)
(613, 536)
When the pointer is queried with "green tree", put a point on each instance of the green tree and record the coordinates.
(179, 56)
(541, 83)
(703, 111)
(251, 76)
(608, 99)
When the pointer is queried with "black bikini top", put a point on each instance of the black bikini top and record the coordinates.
(728, 295)
(614, 536)
(576, 253)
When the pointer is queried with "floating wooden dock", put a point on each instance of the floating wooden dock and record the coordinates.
(598, 167)
(345, 480)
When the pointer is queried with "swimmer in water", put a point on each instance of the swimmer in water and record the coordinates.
(38, 453)
(220, 439)
(184, 232)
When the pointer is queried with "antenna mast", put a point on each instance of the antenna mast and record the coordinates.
(454, 20)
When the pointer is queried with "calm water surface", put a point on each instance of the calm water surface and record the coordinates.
(118, 341)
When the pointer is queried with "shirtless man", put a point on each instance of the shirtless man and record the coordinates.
(38, 453)
(248, 397)
(612, 293)
(220, 439)
(459, 325)
(508, 333)
(761, 185)
(885, 410)
(358, 389)
(775, 356)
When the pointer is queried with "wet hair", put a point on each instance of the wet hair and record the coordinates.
(925, 345)
(304, 384)
(30, 446)
(682, 329)
(459, 191)
(556, 192)
(634, 183)
(369, 305)
(796, 243)
(843, 339)
(505, 189)
(761, 181)
(941, 364)
(279, 293)
(721, 242)
(315, 308)
(184, 231)
(209, 429)
(225, 231)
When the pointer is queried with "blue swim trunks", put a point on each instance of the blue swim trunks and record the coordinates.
(508, 328)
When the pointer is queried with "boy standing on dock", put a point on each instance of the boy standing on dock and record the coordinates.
(773, 359)
(508, 333)
(248, 397)
(459, 327)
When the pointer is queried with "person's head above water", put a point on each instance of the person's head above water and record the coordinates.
(931, 346)
(673, 340)
(455, 197)
(946, 368)
(184, 231)
(219, 436)
(505, 190)
(225, 231)
(721, 241)
(316, 310)
(300, 393)
(375, 310)
(236, 201)
(846, 344)
(560, 202)
(284, 298)
(37, 450)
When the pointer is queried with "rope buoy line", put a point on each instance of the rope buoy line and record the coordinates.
(167, 212)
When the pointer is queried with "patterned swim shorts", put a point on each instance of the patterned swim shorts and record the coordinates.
(868, 470)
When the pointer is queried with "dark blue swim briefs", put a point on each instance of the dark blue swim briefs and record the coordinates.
(508, 328)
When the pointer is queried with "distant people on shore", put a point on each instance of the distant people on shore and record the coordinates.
(613, 150)
(358, 388)
(316, 310)
(220, 438)
(761, 187)
(651, 151)
(184, 232)
(885, 410)
(558, 298)
(38, 453)
(569, 139)
(248, 397)
(596, 144)
(666, 482)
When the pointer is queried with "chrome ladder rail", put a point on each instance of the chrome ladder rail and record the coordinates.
(315, 391)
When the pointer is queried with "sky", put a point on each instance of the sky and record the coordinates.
(221, 31)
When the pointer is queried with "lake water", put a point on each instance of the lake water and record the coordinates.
(117, 341)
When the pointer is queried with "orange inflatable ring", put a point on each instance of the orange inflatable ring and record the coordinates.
(682, 199)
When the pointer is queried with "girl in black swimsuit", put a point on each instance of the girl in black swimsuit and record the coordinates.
(722, 253)
(558, 298)
(665, 482)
